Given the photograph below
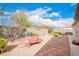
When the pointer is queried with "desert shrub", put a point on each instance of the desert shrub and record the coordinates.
(3, 43)
(49, 30)
(57, 33)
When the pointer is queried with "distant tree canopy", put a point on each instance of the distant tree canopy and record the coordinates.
(21, 18)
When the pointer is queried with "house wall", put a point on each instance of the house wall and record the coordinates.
(76, 24)
(76, 30)
(39, 31)
(62, 30)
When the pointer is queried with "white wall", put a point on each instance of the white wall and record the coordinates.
(39, 31)
(62, 29)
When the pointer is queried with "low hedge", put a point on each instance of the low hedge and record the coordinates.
(57, 33)
(31, 34)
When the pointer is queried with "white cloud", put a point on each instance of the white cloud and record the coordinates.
(57, 14)
(73, 4)
(64, 22)
(36, 18)
(7, 13)
(17, 10)
(44, 12)
(40, 11)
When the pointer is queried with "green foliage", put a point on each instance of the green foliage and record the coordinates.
(23, 22)
(21, 19)
(3, 43)
(49, 30)
(31, 34)
(57, 33)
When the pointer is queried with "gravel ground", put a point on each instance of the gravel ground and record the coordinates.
(56, 47)
(48, 47)
(17, 48)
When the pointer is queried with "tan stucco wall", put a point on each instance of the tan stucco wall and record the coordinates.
(76, 30)
(39, 31)
(62, 30)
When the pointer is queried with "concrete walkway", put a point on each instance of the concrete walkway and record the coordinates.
(25, 51)
(74, 48)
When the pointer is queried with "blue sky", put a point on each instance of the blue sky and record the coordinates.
(66, 9)
(53, 11)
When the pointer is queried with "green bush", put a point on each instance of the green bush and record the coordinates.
(57, 33)
(3, 43)
(49, 30)
(31, 34)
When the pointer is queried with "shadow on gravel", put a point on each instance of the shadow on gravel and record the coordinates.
(10, 47)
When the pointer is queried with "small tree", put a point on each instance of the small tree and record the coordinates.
(21, 18)
(50, 30)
